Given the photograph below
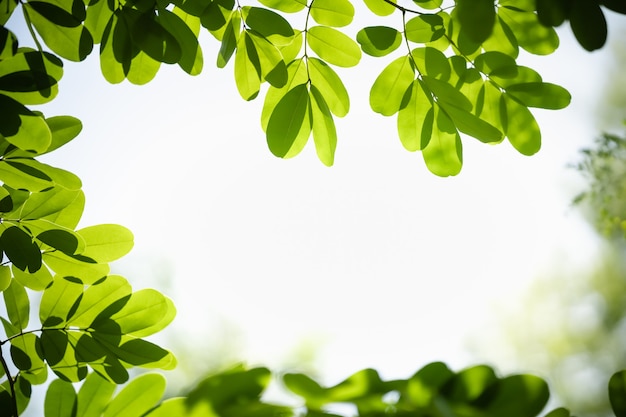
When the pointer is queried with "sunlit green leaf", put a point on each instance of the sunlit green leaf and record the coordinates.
(7, 10)
(247, 68)
(98, 16)
(520, 126)
(297, 74)
(34, 280)
(530, 33)
(86, 268)
(191, 54)
(170, 407)
(63, 130)
(292, 49)
(333, 46)
(94, 395)
(429, 4)
(336, 13)
(443, 154)
(5, 277)
(106, 242)
(494, 61)
(416, 105)
(70, 215)
(425, 385)
(389, 87)
(287, 6)
(472, 125)
(326, 80)
(143, 68)
(424, 28)
(136, 398)
(112, 69)
(431, 62)
(379, 40)
(502, 39)
(60, 400)
(543, 95)
(324, 132)
(273, 68)
(289, 122)
(380, 8)
(446, 93)
(58, 302)
(25, 353)
(520, 395)
(146, 312)
(98, 297)
(30, 77)
(270, 25)
(48, 202)
(17, 304)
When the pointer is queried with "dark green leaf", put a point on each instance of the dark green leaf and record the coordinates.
(552, 12)
(55, 14)
(191, 54)
(543, 95)
(617, 393)
(20, 249)
(477, 18)
(588, 24)
(379, 40)
(289, 122)
(424, 28)
(54, 344)
(270, 25)
(472, 125)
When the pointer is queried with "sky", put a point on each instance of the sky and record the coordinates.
(373, 262)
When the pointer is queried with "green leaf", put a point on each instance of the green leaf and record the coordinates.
(588, 24)
(380, 8)
(45, 203)
(412, 118)
(168, 408)
(64, 240)
(270, 25)
(63, 130)
(230, 41)
(136, 398)
(138, 352)
(324, 132)
(71, 42)
(290, 124)
(446, 93)
(76, 266)
(617, 393)
(472, 125)
(477, 18)
(106, 242)
(520, 126)
(287, 6)
(519, 395)
(58, 302)
(247, 68)
(292, 49)
(143, 68)
(330, 86)
(25, 353)
(390, 86)
(33, 134)
(297, 73)
(70, 215)
(273, 68)
(5, 277)
(379, 40)
(17, 304)
(333, 46)
(424, 28)
(177, 24)
(60, 400)
(30, 77)
(36, 281)
(94, 395)
(502, 39)
(98, 16)
(7, 10)
(559, 412)
(530, 33)
(115, 32)
(496, 62)
(539, 94)
(443, 153)
(98, 297)
(470, 384)
(423, 387)
(146, 312)
(20, 249)
(431, 62)
(336, 13)
(429, 4)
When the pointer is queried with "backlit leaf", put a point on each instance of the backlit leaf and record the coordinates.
(37, 281)
(617, 393)
(530, 33)
(106, 242)
(297, 74)
(326, 80)
(58, 302)
(191, 54)
(324, 132)
(60, 400)
(424, 28)
(247, 68)
(380, 8)
(5, 277)
(379, 40)
(336, 13)
(447, 93)
(477, 18)
(543, 95)
(136, 398)
(94, 395)
(20, 248)
(270, 25)
(98, 297)
(443, 155)
(146, 312)
(472, 125)
(17, 304)
(289, 122)
(520, 126)
(287, 6)
(389, 87)
(87, 269)
(273, 68)
(333, 46)
(416, 106)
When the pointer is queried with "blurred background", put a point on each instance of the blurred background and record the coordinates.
(374, 262)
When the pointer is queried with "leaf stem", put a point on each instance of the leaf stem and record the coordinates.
(401, 8)
(11, 383)
(29, 24)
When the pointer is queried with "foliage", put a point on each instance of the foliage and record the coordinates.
(604, 167)
(456, 73)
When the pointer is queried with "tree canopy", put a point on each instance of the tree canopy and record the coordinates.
(452, 75)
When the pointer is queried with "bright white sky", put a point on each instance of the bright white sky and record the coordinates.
(375, 261)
